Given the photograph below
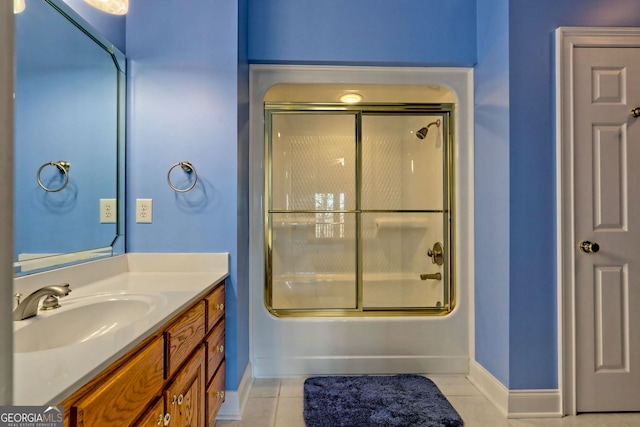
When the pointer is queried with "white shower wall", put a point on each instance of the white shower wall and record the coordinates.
(370, 344)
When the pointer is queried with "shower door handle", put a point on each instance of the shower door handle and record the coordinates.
(434, 276)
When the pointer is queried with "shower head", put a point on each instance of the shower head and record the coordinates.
(422, 133)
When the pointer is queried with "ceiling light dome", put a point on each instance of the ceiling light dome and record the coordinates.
(351, 98)
(18, 6)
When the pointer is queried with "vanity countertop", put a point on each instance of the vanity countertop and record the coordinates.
(172, 281)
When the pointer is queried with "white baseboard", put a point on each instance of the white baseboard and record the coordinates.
(358, 365)
(515, 403)
(235, 401)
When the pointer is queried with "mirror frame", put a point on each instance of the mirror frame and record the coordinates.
(117, 246)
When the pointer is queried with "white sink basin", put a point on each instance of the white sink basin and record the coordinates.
(81, 319)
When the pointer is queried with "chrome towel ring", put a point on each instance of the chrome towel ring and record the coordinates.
(188, 168)
(63, 166)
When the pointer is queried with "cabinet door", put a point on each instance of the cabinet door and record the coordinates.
(185, 395)
(154, 416)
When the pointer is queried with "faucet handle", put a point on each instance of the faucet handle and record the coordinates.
(17, 297)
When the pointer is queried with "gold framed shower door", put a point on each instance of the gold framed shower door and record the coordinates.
(356, 204)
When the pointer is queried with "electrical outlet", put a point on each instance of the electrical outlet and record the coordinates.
(108, 211)
(144, 210)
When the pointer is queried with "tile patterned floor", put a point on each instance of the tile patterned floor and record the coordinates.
(278, 403)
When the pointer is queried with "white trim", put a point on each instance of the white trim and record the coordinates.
(359, 365)
(488, 385)
(515, 403)
(567, 39)
(235, 401)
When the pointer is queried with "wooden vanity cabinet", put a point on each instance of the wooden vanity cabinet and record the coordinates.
(174, 378)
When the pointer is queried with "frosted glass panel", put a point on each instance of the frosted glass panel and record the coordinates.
(313, 162)
(399, 170)
(314, 260)
(394, 256)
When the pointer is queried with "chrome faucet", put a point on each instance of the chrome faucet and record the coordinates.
(28, 307)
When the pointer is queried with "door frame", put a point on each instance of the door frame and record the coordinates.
(566, 40)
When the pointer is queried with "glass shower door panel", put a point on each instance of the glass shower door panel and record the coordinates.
(313, 162)
(397, 272)
(313, 260)
(312, 210)
(399, 170)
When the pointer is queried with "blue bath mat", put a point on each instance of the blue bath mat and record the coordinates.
(376, 401)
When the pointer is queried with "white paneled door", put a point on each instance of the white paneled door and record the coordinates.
(607, 228)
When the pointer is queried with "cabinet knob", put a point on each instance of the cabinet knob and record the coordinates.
(160, 418)
(180, 399)
(219, 349)
(220, 306)
(167, 418)
(174, 399)
(220, 394)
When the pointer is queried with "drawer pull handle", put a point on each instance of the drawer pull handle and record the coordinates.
(160, 418)
(219, 306)
(220, 394)
(174, 399)
(167, 418)
(219, 349)
(180, 399)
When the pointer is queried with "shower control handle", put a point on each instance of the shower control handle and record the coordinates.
(589, 247)
(436, 254)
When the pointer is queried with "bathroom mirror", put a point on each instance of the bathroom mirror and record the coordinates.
(69, 140)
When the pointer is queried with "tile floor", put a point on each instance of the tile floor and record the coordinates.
(278, 403)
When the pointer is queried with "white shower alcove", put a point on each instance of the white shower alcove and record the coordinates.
(367, 344)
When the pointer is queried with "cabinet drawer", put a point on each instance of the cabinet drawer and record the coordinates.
(215, 349)
(120, 399)
(215, 395)
(182, 337)
(215, 306)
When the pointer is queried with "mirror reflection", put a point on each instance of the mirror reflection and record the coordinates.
(69, 93)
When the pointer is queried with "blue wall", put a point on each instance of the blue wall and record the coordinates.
(398, 32)
(533, 322)
(491, 191)
(183, 105)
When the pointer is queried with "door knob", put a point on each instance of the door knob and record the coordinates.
(635, 112)
(589, 247)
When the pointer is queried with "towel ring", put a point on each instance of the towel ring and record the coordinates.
(188, 168)
(63, 166)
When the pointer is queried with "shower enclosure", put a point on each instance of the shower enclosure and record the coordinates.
(359, 209)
